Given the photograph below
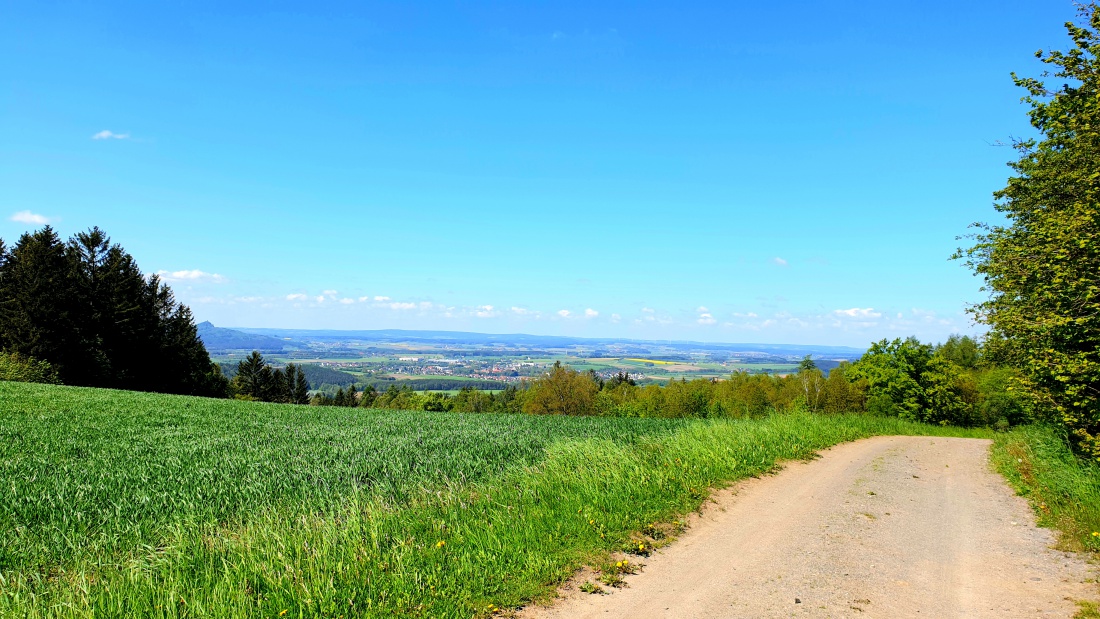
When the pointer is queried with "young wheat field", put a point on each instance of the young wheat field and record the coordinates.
(123, 504)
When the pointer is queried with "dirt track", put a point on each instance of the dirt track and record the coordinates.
(884, 527)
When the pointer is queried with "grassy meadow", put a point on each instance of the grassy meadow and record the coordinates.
(122, 504)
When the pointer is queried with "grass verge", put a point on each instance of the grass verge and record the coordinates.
(1063, 490)
(439, 549)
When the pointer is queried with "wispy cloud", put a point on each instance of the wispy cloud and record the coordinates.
(346, 301)
(381, 299)
(706, 319)
(191, 275)
(857, 312)
(486, 311)
(402, 306)
(565, 313)
(329, 293)
(779, 261)
(27, 217)
(296, 297)
(110, 135)
(590, 313)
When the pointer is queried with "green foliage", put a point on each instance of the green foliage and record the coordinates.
(562, 391)
(945, 384)
(124, 504)
(893, 371)
(16, 367)
(1063, 490)
(962, 350)
(86, 309)
(256, 381)
(1041, 268)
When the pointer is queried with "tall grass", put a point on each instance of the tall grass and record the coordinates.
(1063, 490)
(157, 506)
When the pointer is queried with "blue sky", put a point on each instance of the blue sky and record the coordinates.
(722, 171)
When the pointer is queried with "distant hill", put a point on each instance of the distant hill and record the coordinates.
(218, 339)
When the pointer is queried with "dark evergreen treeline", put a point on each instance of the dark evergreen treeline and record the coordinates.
(254, 379)
(85, 308)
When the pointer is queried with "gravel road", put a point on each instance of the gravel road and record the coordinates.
(883, 527)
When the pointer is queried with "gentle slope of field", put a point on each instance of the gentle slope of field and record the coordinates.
(123, 504)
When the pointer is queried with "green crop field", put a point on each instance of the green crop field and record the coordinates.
(121, 504)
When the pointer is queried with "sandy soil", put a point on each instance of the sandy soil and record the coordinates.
(883, 527)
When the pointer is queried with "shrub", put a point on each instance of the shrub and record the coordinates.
(19, 368)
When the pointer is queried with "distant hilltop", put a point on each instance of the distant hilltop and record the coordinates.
(219, 339)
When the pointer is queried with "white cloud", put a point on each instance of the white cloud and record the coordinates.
(857, 312)
(706, 319)
(27, 217)
(590, 313)
(779, 261)
(702, 309)
(748, 315)
(402, 306)
(110, 135)
(647, 310)
(521, 311)
(320, 298)
(486, 311)
(329, 293)
(564, 313)
(364, 299)
(248, 299)
(192, 275)
(616, 318)
(346, 301)
(296, 297)
(381, 299)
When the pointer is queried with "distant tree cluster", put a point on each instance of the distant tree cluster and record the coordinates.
(85, 310)
(256, 380)
(564, 391)
(949, 384)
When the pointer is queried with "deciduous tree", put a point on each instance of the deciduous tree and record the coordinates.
(1042, 267)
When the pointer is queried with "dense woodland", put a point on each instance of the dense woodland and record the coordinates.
(82, 313)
